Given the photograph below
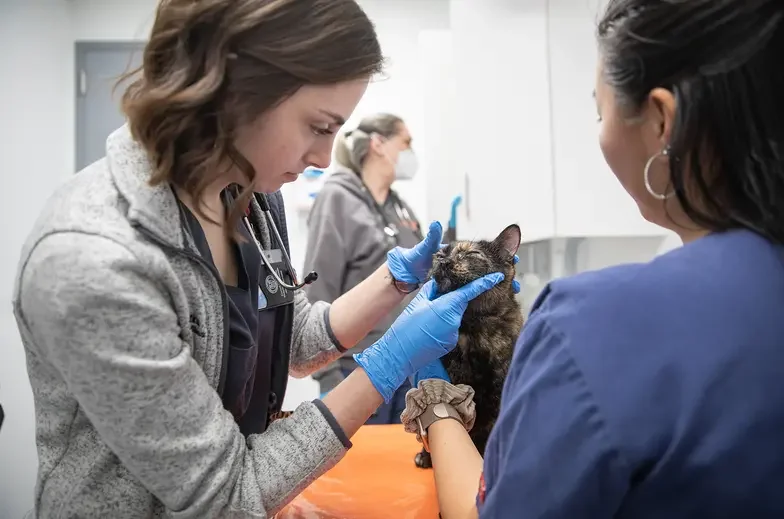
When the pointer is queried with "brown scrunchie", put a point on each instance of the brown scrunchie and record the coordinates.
(435, 391)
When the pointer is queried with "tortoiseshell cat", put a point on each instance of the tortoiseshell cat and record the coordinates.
(489, 329)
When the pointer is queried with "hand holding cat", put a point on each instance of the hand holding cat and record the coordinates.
(424, 332)
(412, 265)
(436, 369)
(433, 370)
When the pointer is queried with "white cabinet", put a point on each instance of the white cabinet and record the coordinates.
(524, 129)
(435, 144)
(503, 137)
(590, 201)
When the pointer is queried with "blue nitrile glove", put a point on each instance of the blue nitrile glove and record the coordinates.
(412, 265)
(424, 332)
(433, 370)
(515, 283)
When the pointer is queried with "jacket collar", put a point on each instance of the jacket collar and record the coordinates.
(351, 181)
(154, 208)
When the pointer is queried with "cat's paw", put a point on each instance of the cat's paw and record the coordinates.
(423, 461)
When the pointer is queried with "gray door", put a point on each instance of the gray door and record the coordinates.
(98, 67)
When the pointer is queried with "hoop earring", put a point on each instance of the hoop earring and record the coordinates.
(646, 174)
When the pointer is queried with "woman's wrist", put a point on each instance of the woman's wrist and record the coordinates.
(432, 414)
(434, 400)
(402, 287)
(353, 401)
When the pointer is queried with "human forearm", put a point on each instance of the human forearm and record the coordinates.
(353, 401)
(313, 344)
(354, 314)
(457, 468)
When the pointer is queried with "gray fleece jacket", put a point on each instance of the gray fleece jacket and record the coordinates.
(123, 330)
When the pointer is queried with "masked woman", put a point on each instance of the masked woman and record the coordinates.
(356, 219)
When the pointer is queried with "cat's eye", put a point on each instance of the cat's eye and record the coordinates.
(473, 253)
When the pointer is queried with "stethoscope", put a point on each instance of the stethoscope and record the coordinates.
(261, 209)
(402, 212)
(390, 229)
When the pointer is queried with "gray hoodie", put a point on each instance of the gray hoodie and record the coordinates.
(124, 336)
(346, 243)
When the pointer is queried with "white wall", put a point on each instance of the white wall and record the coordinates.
(36, 100)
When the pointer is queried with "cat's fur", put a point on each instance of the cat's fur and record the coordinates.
(490, 326)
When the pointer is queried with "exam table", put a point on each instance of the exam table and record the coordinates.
(377, 479)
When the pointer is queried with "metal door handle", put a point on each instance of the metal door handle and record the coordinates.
(82, 82)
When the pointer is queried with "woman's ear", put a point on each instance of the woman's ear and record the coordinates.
(661, 114)
(377, 144)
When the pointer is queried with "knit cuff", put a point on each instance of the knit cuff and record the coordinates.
(433, 391)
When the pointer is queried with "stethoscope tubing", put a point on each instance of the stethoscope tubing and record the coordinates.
(270, 222)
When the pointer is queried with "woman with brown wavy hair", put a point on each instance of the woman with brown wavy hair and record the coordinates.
(158, 331)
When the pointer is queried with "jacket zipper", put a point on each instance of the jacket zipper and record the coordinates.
(224, 299)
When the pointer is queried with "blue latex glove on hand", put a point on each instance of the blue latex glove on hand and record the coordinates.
(413, 265)
(433, 370)
(425, 331)
(515, 283)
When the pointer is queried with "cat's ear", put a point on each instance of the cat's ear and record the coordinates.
(509, 239)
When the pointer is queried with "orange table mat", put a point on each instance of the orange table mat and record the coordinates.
(377, 479)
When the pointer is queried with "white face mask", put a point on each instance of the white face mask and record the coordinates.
(407, 165)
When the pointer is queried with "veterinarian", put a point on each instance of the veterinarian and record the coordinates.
(653, 390)
(356, 219)
(155, 296)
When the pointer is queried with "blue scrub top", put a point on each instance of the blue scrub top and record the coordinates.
(648, 391)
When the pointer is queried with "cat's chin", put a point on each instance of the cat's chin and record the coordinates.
(447, 285)
(447, 280)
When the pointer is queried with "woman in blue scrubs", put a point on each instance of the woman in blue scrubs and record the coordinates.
(656, 390)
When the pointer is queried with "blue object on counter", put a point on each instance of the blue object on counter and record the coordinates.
(312, 173)
(453, 214)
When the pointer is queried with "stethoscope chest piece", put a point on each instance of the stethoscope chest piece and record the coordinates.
(275, 273)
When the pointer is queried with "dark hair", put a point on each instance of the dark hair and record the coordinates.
(212, 66)
(722, 60)
(352, 149)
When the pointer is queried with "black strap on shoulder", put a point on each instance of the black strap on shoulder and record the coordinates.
(278, 212)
